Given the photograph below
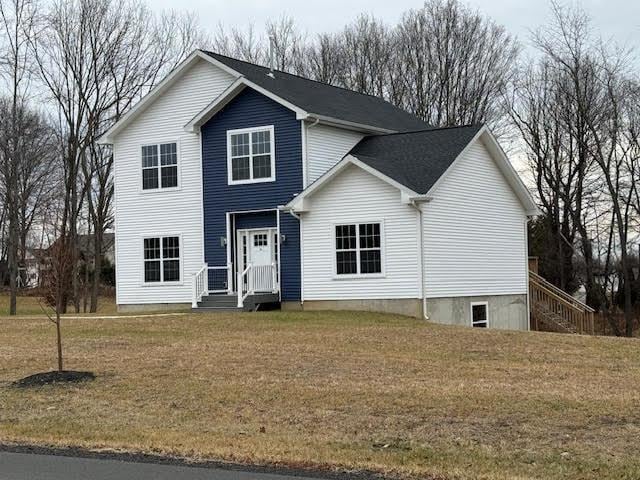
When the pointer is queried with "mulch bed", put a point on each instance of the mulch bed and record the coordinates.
(47, 378)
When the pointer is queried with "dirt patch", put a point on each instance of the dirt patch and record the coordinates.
(47, 378)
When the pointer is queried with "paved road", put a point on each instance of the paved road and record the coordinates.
(25, 466)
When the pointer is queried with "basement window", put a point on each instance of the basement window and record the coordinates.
(479, 314)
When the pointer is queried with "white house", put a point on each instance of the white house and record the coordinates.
(237, 185)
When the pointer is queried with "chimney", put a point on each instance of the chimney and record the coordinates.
(272, 58)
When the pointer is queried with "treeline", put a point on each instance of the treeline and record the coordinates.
(70, 69)
(569, 109)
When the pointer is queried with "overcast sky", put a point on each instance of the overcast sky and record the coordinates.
(618, 19)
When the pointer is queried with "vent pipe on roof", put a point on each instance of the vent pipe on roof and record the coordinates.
(272, 59)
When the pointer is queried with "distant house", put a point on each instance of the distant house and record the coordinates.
(37, 260)
(237, 185)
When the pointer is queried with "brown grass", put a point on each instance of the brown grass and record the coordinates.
(33, 304)
(354, 390)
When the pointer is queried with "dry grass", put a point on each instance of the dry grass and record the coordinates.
(31, 305)
(357, 390)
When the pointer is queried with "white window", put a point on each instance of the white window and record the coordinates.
(161, 259)
(251, 155)
(358, 249)
(159, 166)
(480, 314)
(260, 240)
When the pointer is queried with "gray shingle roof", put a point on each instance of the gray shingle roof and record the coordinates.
(323, 99)
(415, 159)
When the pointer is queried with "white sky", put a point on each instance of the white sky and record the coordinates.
(617, 19)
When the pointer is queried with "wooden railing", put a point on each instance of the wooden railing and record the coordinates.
(553, 306)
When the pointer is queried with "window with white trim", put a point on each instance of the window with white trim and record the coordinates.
(251, 155)
(358, 249)
(161, 259)
(159, 166)
(480, 315)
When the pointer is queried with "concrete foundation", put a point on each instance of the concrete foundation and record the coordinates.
(411, 307)
(507, 312)
(154, 307)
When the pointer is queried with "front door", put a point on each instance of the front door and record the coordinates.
(258, 248)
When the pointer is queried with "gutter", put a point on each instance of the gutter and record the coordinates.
(284, 208)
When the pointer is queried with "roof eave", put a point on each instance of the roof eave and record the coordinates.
(359, 127)
(297, 204)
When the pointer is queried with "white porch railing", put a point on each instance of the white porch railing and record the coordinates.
(257, 279)
(244, 288)
(200, 285)
(205, 282)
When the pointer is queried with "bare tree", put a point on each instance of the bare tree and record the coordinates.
(18, 22)
(96, 58)
(56, 281)
(455, 64)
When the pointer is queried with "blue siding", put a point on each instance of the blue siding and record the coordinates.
(251, 109)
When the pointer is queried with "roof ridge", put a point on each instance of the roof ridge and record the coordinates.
(430, 129)
(305, 78)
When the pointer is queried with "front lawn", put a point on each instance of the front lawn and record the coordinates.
(355, 390)
(33, 305)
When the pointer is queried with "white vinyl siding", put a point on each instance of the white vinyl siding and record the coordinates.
(474, 232)
(355, 197)
(158, 212)
(326, 146)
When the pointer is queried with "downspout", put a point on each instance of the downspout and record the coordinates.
(526, 255)
(415, 203)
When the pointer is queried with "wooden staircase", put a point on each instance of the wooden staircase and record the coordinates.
(554, 310)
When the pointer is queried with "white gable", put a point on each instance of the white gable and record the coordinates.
(474, 231)
(153, 213)
(357, 196)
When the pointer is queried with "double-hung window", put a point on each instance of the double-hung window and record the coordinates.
(251, 155)
(161, 259)
(159, 166)
(358, 249)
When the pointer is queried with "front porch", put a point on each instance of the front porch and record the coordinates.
(251, 275)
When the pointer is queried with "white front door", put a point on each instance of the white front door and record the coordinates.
(257, 247)
(260, 247)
